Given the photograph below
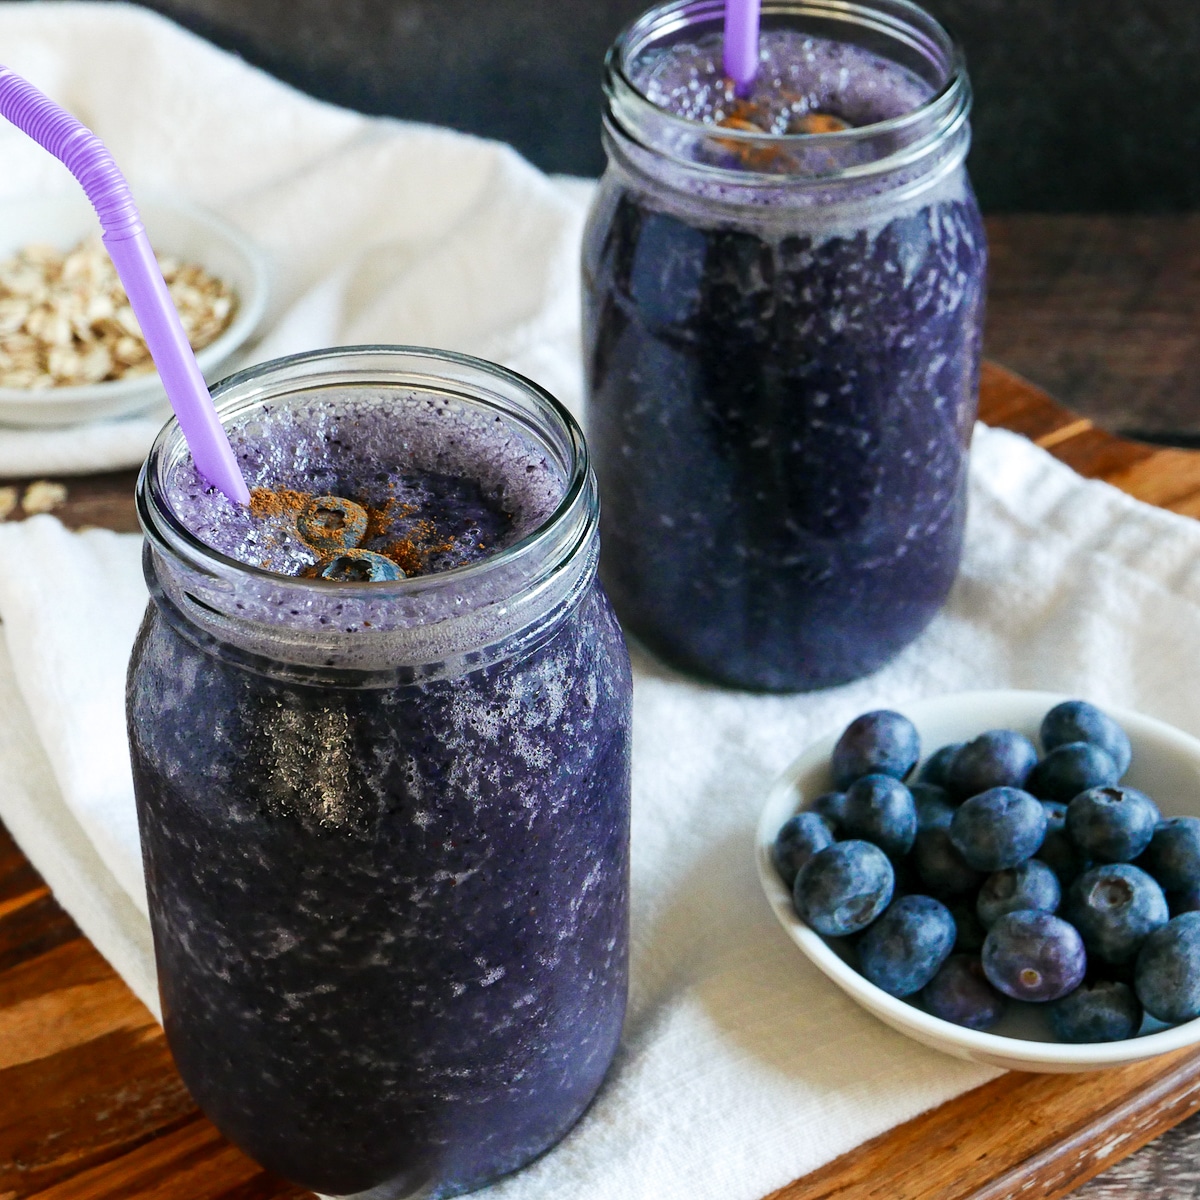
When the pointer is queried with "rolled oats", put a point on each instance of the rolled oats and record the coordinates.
(65, 319)
(43, 496)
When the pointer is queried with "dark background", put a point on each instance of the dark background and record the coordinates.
(1081, 105)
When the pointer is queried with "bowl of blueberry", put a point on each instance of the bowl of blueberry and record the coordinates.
(1009, 877)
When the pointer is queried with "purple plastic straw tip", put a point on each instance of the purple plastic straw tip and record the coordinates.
(741, 43)
(88, 159)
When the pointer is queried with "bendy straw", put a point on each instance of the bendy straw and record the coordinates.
(741, 43)
(88, 159)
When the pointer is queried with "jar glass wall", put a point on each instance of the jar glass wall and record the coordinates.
(385, 825)
(782, 338)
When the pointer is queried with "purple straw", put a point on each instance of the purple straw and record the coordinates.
(741, 43)
(88, 159)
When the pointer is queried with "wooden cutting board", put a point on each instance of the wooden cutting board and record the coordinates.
(91, 1107)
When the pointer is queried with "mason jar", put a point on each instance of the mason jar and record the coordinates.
(782, 338)
(385, 825)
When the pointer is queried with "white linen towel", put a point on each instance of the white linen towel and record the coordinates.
(741, 1066)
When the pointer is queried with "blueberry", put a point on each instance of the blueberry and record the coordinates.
(1115, 906)
(1167, 977)
(359, 566)
(1078, 721)
(1112, 824)
(843, 888)
(941, 866)
(960, 992)
(934, 810)
(1031, 885)
(938, 763)
(877, 743)
(998, 758)
(880, 809)
(999, 828)
(1057, 850)
(970, 930)
(799, 839)
(1068, 770)
(330, 523)
(1173, 855)
(903, 950)
(1034, 956)
(1099, 1011)
(831, 808)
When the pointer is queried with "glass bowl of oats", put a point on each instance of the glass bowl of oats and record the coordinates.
(70, 348)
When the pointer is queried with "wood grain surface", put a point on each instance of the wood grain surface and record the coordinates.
(91, 1107)
(1103, 313)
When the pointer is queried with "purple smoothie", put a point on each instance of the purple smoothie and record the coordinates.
(385, 826)
(782, 337)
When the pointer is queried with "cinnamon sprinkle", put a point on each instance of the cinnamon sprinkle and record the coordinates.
(411, 553)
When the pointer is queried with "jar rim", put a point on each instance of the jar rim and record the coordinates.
(928, 124)
(163, 527)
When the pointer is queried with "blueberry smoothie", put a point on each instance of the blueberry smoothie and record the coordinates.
(384, 818)
(783, 298)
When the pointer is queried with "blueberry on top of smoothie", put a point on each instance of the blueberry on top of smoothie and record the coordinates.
(330, 523)
(359, 566)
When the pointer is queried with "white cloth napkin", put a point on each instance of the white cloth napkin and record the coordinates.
(741, 1066)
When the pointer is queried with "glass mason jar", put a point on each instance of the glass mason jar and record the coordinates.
(385, 825)
(782, 341)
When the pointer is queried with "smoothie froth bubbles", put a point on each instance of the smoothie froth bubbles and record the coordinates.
(783, 302)
(385, 826)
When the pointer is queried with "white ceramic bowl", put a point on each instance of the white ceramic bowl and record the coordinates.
(177, 229)
(1166, 765)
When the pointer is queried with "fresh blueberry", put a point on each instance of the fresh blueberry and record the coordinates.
(1099, 1011)
(843, 888)
(880, 809)
(934, 810)
(877, 743)
(1078, 721)
(1173, 855)
(330, 524)
(941, 866)
(998, 828)
(970, 935)
(1112, 824)
(1034, 956)
(1167, 978)
(1184, 900)
(799, 839)
(960, 992)
(938, 763)
(359, 566)
(831, 807)
(1115, 907)
(998, 758)
(1030, 885)
(1068, 770)
(1058, 851)
(903, 950)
